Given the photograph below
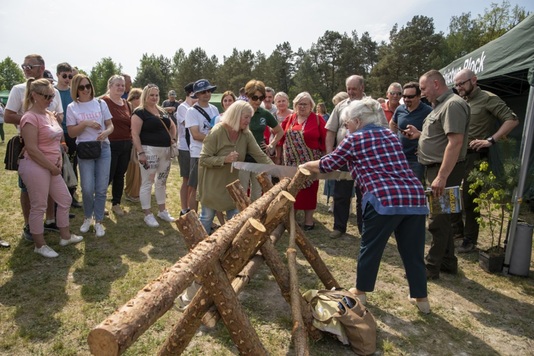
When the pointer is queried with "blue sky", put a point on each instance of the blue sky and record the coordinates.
(84, 32)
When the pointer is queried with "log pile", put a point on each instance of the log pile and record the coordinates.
(223, 263)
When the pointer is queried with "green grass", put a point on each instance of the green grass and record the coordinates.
(48, 306)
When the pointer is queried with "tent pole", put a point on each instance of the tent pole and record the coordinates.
(526, 148)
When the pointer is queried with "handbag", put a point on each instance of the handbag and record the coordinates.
(341, 313)
(89, 149)
(173, 152)
(14, 151)
(68, 172)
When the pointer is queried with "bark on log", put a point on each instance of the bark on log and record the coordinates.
(233, 262)
(300, 336)
(313, 258)
(298, 181)
(115, 334)
(238, 194)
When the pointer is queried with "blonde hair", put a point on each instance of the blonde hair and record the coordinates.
(145, 94)
(34, 86)
(232, 116)
(342, 95)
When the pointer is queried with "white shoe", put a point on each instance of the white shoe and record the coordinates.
(46, 251)
(151, 221)
(74, 239)
(164, 215)
(99, 229)
(86, 225)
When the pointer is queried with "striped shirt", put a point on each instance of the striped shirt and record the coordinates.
(375, 159)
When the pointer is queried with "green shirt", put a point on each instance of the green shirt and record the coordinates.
(487, 110)
(450, 115)
(259, 121)
(214, 174)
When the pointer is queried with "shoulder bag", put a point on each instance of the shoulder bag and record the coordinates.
(14, 151)
(90, 149)
(174, 146)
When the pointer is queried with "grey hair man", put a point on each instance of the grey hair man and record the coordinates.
(267, 103)
(335, 133)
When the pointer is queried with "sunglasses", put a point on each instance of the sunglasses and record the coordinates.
(255, 98)
(65, 76)
(409, 96)
(47, 96)
(395, 93)
(29, 66)
(81, 87)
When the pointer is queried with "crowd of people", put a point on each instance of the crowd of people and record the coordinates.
(422, 135)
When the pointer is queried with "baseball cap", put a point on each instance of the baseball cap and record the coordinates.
(172, 93)
(48, 75)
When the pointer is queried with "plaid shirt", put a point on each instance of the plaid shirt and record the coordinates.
(375, 159)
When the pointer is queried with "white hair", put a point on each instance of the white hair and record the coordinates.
(367, 110)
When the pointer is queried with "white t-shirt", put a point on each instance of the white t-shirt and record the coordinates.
(180, 117)
(90, 110)
(15, 102)
(194, 118)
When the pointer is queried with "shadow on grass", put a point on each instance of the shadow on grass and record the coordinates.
(37, 287)
(127, 238)
(431, 331)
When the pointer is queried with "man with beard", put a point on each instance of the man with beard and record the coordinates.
(486, 109)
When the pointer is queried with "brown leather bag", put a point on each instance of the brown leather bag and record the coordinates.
(358, 322)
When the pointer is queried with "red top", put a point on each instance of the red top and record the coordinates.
(314, 135)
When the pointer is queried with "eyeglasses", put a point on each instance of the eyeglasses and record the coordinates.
(398, 93)
(409, 96)
(30, 66)
(47, 96)
(255, 98)
(64, 76)
(457, 85)
(82, 87)
(303, 104)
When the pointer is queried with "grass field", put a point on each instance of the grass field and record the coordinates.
(48, 306)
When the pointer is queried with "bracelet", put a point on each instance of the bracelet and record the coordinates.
(141, 153)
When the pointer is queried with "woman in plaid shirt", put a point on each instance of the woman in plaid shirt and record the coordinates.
(393, 198)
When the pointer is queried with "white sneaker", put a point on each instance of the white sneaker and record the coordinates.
(74, 239)
(99, 229)
(86, 225)
(151, 221)
(46, 251)
(164, 215)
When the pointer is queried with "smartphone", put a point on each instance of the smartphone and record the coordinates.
(146, 165)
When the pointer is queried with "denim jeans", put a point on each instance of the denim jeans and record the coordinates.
(207, 215)
(94, 178)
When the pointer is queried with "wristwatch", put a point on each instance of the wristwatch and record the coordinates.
(491, 140)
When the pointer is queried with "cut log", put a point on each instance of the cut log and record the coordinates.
(299, 332)
(238, 194)
(233, 262)
(313, 258)
(115, 334)
(298, 181)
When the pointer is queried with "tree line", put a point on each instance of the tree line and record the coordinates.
(321, 70)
